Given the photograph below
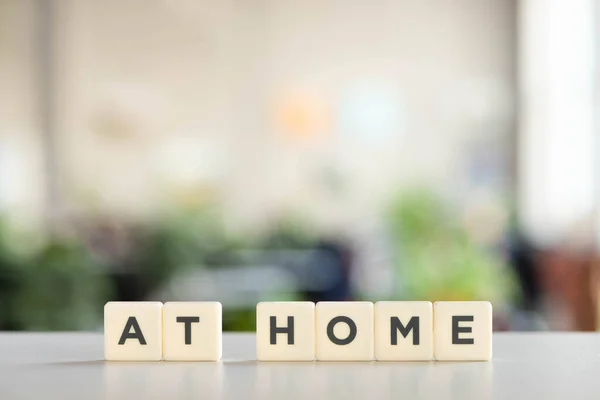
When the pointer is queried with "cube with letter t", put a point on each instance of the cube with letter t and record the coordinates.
(285, 331)
(463, 330)
(133, 331)
(192, 331)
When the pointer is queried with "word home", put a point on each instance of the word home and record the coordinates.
(384, 331)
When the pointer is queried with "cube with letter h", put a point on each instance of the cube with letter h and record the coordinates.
(285, 331)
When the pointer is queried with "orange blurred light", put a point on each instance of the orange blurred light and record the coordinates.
(302, 115)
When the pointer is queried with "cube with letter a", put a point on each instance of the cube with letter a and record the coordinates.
(133, 331)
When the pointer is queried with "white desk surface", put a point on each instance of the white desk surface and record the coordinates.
(525, 366)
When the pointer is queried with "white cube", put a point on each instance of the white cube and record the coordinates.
(403, 331)
(285, 331)
(462, 330)
(133, 331)
(345, 331)
(192, 331)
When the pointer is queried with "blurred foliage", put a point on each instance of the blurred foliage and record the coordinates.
(187, 239)
(10, 282)
(239, 320)
(63, 288)
(192, 238)
(53, 285)
(436, 258)
(290, 232)
(62, 282)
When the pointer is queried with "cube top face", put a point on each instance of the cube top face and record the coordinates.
(285, 331)
(133, 331)
(403, 331)
(192, 331)
(463, 331)
(344, 331)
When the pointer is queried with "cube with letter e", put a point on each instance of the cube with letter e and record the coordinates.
(462, 330)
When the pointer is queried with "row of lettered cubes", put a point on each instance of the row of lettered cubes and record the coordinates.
(301, 331)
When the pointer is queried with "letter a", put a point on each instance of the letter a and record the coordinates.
(136, 334)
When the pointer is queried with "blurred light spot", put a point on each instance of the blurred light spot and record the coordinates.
(302, 114)
(371, 114)
(188, 160)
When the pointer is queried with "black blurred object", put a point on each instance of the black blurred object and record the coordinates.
(333, 265)
(522, 256)
(10, 285)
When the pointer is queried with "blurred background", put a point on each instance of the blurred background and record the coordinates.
(244, 151)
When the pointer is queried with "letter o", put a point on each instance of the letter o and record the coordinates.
(335, 339)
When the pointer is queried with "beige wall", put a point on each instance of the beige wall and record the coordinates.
(157, 97)
(21, 171)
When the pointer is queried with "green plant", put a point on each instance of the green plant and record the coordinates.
(61, 287)
(289, 232)
(436, 258)
(193, 238)
(10, 281)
